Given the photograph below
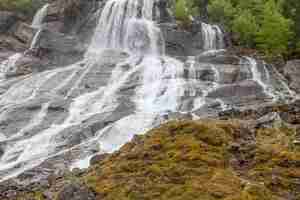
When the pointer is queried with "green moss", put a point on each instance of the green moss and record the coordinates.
(21, 6)
(194, 160)
(38, 195)
(256, 192)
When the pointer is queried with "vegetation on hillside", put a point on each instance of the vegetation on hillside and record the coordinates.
(205, 160)
(271, 26)
(20, 6)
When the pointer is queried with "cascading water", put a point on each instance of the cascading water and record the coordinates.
(213, 37)
(9, 65)
(37, 21)
(141, 88)
(128, 25)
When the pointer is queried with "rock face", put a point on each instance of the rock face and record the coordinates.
(165, 15)
(76, 102)
(72, 14)
(75, 192)
(292, 72)
(180, 42)
(7, 20)
(58, 42)
(25, 65)
(223, 159)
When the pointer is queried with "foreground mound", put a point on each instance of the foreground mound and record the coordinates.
(207, 160)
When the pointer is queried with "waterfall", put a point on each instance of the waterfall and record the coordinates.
(213, 37)
(37, 23)
(35, 39)
(128, 25)
(149, 84)
(9, 65)
(38, 19)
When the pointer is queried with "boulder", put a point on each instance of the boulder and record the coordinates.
(218, 57)
(180, 42)
(245, 88)
(10, 43)
(75, 191)
(229, 74)
(98, 158)
(7, 20)
(24, 32)
(20, 64)
(292, 72)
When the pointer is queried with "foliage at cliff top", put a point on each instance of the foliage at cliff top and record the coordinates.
(267, 25)
(20, 6)
(271, 26)
(207, 160)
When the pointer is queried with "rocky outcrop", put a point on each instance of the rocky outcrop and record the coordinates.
(72, 14)
(75, 192)
(246, 155)
(24, 33)
(292, 72)
(7, 21)
(180, 42)
(163, 9)
(26, 64)
(59, 43)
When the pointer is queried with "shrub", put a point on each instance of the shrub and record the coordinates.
(181, 11)
(246, 27)
(221, 11)
(22, 6)
(275, 31)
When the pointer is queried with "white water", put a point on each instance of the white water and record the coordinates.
(162, 85)
(213, 37)
(39, 17)
(121, 27)
(37, 23)
(262, 76)
(159, 89)
(35, 39)
(9, 65)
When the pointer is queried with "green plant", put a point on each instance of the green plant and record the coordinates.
(275, 31)
(246, 26)
(22, 6)
(182, 11)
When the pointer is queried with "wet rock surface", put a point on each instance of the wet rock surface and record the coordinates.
(180, 42)
(76, 192)
(292, 72)
(7, 21)
(63, 107)
(248, 139)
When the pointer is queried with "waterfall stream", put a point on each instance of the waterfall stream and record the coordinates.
(37, 21)
(213, 37)
(126, 93)
(8, 65)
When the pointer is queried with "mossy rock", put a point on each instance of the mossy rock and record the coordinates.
(205, 160)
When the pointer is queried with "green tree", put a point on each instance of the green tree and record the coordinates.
(23, 6)
(246, 27)
(181, 11)
(221, 11)
(291, 10)
(275, 31)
